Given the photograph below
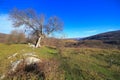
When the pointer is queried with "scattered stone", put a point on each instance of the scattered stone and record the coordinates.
(29, 61)
(2, 77)
(15, 64)
(14, 55)
(30, 54)
(31, 45)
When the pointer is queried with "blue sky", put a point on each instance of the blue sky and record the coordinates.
(81, 17)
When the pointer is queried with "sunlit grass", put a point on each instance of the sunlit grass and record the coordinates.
(8, 50)
(78, 63)
(93, 63)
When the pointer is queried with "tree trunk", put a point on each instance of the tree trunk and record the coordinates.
(38, 42)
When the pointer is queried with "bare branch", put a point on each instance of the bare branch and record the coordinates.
(54, 24)
(35, 22)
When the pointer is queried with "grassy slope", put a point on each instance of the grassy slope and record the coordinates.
(91, 64)
(8, 50)
(94, 63)
(78, 63)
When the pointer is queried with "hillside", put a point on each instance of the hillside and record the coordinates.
(108, 40)
(68, 59)
(73, 64)
(112, 37)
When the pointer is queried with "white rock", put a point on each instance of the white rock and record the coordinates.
(30, 54)
(15, 64)
(2, 77)
(27, 61)
(32, 60)
(14, 55)
(31, 45)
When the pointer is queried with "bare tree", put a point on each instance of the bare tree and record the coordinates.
(35, 23)
(17, 36)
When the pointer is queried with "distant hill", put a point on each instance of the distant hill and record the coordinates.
(104, 40)
(112, 37)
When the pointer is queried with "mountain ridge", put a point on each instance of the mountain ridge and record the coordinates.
(111, 37)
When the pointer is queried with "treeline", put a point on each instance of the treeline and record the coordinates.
(19, 37)
(15, 36)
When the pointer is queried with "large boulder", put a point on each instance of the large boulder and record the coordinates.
(32, 60)
(27, 61)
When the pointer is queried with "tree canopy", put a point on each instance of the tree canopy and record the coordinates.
(36, 23)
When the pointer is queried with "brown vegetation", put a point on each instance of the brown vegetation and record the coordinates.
(48, 69)
(16, 36)
(3, 38)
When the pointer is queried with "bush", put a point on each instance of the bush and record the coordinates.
(16, 36)
(47, 70)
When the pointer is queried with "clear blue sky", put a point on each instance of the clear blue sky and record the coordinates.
(81, 17)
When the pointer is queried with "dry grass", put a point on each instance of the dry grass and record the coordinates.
(72, 64)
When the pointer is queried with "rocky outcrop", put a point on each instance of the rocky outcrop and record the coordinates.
(29, 63)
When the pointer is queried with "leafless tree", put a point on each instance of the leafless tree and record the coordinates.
(17, 36)
(35, 23)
